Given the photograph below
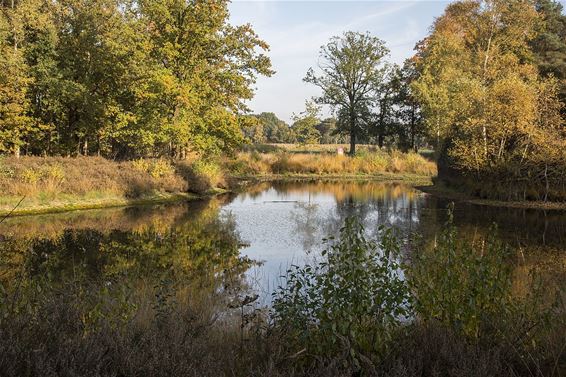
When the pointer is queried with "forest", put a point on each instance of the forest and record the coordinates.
(127, 79)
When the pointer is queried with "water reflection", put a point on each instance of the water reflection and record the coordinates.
(214, 245)
(191, 248)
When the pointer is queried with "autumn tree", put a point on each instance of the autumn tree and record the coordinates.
(487, 106)
(351, 68)
(14, 76)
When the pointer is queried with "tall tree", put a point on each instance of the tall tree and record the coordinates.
(483, 100)
(384, 120)
(549, 46)
(207, 68)
(14, 76)
(351, 68)
(410, 122)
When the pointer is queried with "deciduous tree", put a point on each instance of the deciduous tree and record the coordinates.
(351, 68)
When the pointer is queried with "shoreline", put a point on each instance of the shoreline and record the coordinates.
(421, 183)
(101, 203)
(446, 193)
(79, 203)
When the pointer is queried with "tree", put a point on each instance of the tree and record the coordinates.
(276, 130)
(207, 68)
(351, 70)
(408, 112)
(253, 129)
(124, 78)
(14, 76)
(305, 124)
(384, 123)
(549, 46)
(494, 117)
(329, 133)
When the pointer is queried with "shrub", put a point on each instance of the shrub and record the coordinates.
(466, 286)
(347, 306)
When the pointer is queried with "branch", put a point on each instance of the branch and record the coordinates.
(12, 211)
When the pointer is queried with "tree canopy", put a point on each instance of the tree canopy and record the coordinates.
(483, 99)
(351, 69)
(124, 78)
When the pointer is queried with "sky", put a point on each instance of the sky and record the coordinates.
(295, 31)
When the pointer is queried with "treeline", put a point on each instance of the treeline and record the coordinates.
(492, 89)
(487, 88)
(391, 117)
(124, 78)
(306, 129)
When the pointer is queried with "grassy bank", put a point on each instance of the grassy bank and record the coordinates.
(442, 191)
(59, 184)
(364, 163)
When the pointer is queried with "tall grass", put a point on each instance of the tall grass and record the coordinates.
(365, 163)
(32, 176)
(57, 181)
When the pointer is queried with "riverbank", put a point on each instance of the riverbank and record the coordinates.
(445, 192)
(34, 185)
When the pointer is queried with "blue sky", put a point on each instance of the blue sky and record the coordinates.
(295, 30)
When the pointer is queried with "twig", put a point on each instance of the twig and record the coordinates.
(12, 211)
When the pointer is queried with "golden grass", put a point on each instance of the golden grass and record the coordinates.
(366, 163)
(94, 182)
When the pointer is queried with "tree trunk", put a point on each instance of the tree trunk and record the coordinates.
(352, 134)
(352, 142)
(380, 140)
(413, 126)
(17, 151)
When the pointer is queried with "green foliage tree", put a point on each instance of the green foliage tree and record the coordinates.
(276, 130)
(125, 78)
(410, 122)
(549, 46)
(329, 133)
(351, 71)
(254, 129)
(304, 126)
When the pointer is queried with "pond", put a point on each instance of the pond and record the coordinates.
(242, 242)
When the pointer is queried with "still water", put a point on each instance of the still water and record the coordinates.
(250, 239)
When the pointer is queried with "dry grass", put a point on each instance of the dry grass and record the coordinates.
(93, 182)
(35, 176)
(368, 163)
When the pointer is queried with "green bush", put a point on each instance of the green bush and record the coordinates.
(466, 285)
(348, 306)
